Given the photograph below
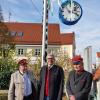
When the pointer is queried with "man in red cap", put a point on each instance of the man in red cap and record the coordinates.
(23, 83)
(79, 81)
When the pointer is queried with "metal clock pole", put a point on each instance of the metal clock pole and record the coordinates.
(45, 32)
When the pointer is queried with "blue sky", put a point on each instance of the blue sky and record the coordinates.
(87, 30)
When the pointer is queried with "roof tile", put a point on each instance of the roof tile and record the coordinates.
(32, 34)
(98, 54)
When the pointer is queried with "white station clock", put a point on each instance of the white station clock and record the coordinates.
(70, 12)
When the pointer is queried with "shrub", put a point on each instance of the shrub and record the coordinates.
(7, 66)
(5, 79)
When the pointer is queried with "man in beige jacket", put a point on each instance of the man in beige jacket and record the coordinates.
(22, 84)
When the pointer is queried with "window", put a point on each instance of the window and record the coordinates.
(53, 51)
(20, 34)
(37, 52)
(49, 50)
(13, 33)
(65, 50)
(20, 51)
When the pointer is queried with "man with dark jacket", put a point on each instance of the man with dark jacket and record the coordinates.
(79, 81)
(51, 81)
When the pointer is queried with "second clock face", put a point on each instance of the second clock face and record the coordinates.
(70, 12)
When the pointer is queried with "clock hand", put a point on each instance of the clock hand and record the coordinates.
(68, 10)
(75, 12)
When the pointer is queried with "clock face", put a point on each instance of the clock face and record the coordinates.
(70, 12)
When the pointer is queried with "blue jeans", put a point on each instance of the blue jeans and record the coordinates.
(46, 98)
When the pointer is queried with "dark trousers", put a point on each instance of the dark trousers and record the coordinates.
(29, 97)
(46, 98)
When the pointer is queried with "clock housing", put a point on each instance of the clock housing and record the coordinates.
(70, 13)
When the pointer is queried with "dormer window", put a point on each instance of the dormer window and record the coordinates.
(19, 33)
(13, 33)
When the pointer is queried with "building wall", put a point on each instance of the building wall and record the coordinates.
(97, 61)
(88, 58)
(29, 50)
(68, 49)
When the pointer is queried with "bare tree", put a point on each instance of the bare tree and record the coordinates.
(6, 41)
(1, 16)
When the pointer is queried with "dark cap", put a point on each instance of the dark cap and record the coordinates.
(77, 58)
(22, 62)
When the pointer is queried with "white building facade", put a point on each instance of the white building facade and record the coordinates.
(28, 40)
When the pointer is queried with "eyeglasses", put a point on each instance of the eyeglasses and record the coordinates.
(76, 63)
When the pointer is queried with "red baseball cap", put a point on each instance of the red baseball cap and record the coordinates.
(22, 62)
(77, 58)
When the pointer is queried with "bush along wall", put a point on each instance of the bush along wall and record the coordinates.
(5, 79)
(7, 67)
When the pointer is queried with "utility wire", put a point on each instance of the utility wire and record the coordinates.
(36, 8)
(13, 13)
